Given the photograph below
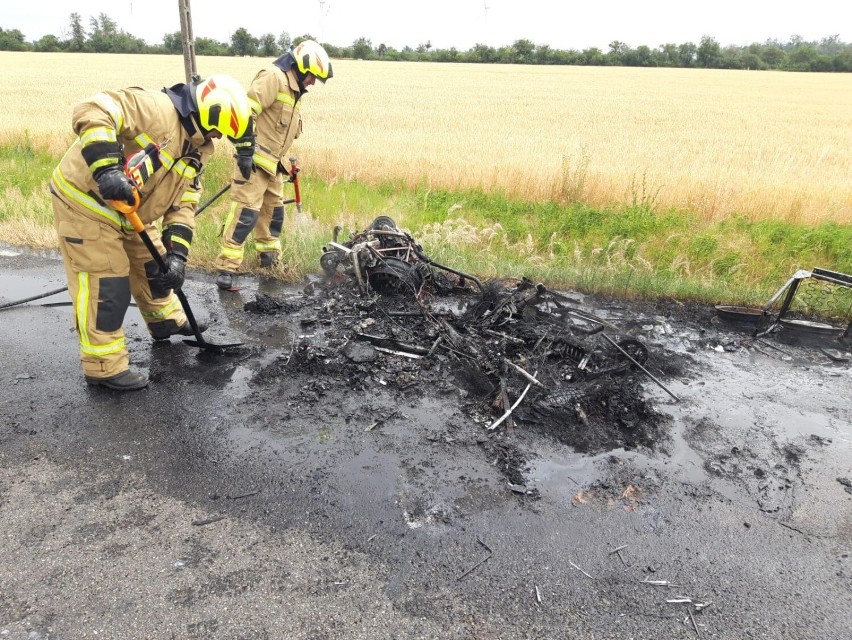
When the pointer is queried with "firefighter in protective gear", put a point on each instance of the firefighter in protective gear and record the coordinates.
(258, 180)
(105, 259)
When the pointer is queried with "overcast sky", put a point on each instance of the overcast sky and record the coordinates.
(562, 24)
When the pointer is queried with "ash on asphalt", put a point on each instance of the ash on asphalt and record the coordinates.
(734, 492)
(347, 343)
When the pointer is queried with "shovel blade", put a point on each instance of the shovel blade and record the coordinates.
(209, 346)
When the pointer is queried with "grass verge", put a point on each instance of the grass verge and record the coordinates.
(631, 251)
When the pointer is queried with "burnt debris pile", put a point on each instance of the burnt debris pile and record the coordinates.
(510, 354)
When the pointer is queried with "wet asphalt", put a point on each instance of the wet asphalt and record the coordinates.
(208, 506)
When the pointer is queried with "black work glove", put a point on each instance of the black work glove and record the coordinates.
(245, 164)
(245, 152)
(114, 184)
(176, 271)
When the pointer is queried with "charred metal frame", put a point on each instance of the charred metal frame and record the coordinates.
(772, 320)
(384, 258)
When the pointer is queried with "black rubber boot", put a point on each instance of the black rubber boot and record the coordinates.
(225, 280)
(268, 259)
(165, 329)
(124, 381)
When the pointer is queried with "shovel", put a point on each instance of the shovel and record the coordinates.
(129, 212)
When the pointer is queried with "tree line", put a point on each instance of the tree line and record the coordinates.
(104, 36)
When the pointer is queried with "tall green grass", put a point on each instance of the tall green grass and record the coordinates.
(637, 250)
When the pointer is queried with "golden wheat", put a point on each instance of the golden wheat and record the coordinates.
(759, 144)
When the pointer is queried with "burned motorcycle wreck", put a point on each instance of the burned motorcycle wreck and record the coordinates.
(386, 260)
(535, 353)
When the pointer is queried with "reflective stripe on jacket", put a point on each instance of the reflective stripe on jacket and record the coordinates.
(274, 98)
(135, 117)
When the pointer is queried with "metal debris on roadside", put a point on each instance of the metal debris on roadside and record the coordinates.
(580, 570)
(506, 352)
(617, 551)
(480, 563)
(518, 488)
(658, 583)
(694, 624)
(818, 293)
(201, 523)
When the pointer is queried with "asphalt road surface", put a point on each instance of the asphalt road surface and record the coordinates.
(221, 503)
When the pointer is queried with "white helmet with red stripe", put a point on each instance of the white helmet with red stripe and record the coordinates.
(311, 58)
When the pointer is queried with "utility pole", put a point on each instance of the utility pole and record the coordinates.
(188, 42)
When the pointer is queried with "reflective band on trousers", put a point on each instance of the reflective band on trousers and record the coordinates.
(234, 254)
(272, 245)
(162, 313)
(83, 323)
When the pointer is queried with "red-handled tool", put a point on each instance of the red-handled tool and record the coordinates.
(294, 178)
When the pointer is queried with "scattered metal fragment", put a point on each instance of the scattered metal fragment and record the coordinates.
(405, 354)
(834, 355)
(504, 336)
(391, 343)
(518, 488)
(245, 495)
(529, 376)
(538, 594)
(581, 414)
(694, 625)
(617, 549)
(580, 570)
(478, 564)
(500, 420)
(643, 369)
(658, 583)
(382, 420)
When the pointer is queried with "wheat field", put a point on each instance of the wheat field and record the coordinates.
(764, 145)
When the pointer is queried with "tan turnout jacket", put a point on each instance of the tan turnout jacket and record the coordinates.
(135, 117)
(274, 98)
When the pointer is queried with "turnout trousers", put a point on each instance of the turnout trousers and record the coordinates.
(256, 205)
(104, 266)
